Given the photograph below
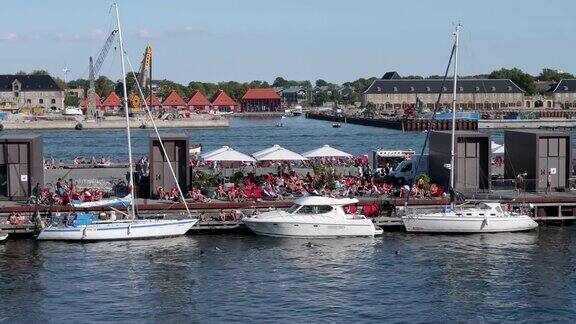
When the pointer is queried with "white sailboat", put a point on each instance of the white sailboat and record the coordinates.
(485, 218)
(313, 216)
(86, 227)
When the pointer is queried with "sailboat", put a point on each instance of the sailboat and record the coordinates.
(87, 227)
(487, 217)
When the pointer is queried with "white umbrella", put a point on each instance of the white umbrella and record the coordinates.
(496, 148)
(226, 153)
(278, 153)
(326, 151)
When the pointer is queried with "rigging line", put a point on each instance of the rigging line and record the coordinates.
(158, 135)
(437, 106)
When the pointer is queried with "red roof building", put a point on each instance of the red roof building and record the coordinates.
(84, 102)
(174, 101)
(223, 103)
(199, 103)
(155, 104)
(257, 100)
(112, 102)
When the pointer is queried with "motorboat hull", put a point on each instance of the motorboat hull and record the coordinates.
(458, 224)
(132, 230)
(360, 227)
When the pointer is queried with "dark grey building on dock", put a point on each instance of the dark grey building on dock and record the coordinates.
(471, 163)
(538, 154)
(21, 166)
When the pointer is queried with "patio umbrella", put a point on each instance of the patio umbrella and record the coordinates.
(226, 153)
(496, 148)
(277, 153)
(326, 151)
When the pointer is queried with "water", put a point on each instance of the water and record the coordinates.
(242, 278)
(247, 135)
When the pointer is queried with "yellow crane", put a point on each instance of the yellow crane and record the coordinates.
(144, 76)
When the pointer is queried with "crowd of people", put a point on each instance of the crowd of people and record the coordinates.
(63, 193)
(78, 161)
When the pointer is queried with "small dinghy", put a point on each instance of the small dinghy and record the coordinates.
(336, 125)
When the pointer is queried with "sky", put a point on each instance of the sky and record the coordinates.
(335, 40)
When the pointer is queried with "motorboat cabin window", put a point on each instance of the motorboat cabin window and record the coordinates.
(406, 168)
(311, 209)
(293, 209)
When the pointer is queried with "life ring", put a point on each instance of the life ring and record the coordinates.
(78, 126)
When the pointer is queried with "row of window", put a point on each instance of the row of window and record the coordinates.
(40, 101)
(444, 89)
(469, 105)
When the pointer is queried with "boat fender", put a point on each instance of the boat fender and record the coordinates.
(143, 126)
(84, 232)
(78, 126)
(129, 228)
(1, 127)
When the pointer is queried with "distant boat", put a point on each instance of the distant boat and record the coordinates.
(297, 111)
(280, 124)
(336, 125)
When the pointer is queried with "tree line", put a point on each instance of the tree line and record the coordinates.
(323, 90)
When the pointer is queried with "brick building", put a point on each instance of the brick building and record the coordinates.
(258, 100)
(29, 91)
(473, 94)
(563, 94)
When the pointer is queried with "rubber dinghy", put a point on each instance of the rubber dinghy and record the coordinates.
(115, 202)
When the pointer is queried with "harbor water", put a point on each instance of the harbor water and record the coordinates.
(399, 277)
(520, 277)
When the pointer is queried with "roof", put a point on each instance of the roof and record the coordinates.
(174, 99)
(198, 99)
(277, 153)
(319, 200)
(261, 93)
(433, 86)
(294, 89)
(565, 85)
(29, 82)
(391, 75)
(326, 151)
(226, 153)
(84, 102)
(112, 100)
(155, 101)
(545, 86)
(221, 98)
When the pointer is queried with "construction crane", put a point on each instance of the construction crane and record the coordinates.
(144, 74)
(94, 70)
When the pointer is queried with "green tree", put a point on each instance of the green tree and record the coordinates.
(553, 75)
(21, 73)
(71, 100)
(103, 86)
(39, 72)
(321, 83)
(522, 79)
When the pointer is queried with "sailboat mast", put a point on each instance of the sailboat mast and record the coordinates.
(126, 113)
(454, 94)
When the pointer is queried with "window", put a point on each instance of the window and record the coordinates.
(53, 101)
(444, 89)
(509, 88)
(412, 89)
(28, 101)
(314, 209)
(16, 94)
(477, 89)
(407, 168)
(565, 88)
(378, 89)
(292, 209)
(40, 101)
(493, 88)
(428, 89)
(460, 89)
(395, 89)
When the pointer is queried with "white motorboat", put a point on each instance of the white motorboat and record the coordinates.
(297, 111)
(483, 218)
(313, 216)
(86, 227)
(487, 217)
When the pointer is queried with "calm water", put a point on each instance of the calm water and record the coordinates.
(480, 278)
(245, 134)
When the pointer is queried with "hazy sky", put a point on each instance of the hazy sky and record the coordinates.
(299, 39)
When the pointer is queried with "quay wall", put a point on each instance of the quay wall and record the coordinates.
(527, 123)
(405, 125)
(112, 124)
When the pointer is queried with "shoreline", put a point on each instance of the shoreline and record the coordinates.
(112, 124)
